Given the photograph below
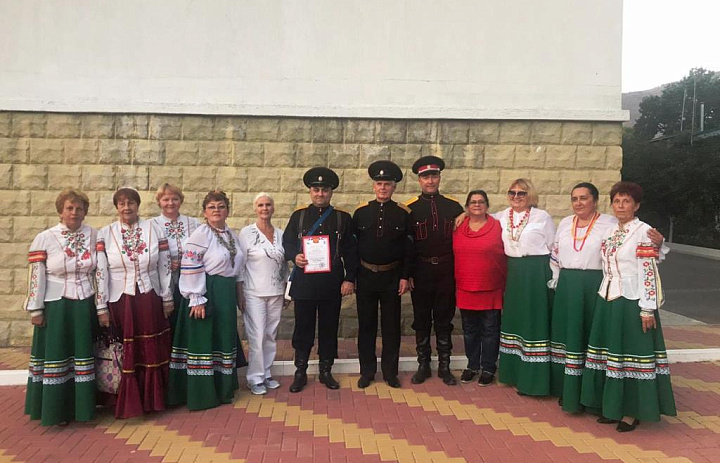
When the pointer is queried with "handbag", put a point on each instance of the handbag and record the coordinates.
(108, 362)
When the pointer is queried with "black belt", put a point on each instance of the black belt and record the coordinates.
(379, 268)
(436, 260)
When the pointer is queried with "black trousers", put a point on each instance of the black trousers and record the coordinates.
(434, 302)
(481, 332)
(327, 314)
(367, 307)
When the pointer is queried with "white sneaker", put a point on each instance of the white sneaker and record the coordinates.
(257, 389)
(271, 383)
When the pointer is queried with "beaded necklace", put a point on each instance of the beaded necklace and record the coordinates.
(516, 230)
(587, 233)
(229, 244)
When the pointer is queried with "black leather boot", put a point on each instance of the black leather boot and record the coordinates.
(300, 379)
(444, 347)
(422, 341)
(326, 377)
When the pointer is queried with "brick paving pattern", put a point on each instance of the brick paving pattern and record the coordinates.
(426, 423)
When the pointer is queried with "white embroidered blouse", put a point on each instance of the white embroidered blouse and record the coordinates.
(129, 256)
(630, 266)
(265, 270)
(62, 265)
(204, 254)
(533, 236)
(177, 232)
(588, 257)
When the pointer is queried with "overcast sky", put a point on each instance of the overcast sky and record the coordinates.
(664, 39)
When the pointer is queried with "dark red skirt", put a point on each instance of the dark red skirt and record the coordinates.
(146, 337)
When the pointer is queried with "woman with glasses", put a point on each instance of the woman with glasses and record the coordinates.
(528, 234)
(205, 348)
(626, 373)
(133, 279)
(480, 271)
(576, 264)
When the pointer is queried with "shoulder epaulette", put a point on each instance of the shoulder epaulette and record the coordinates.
(300, 208)
(404, 207)
(409, 202)
(451, 198)
(361, 205)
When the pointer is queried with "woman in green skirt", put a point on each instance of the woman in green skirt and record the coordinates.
(202, 363)
(528, 234)
(626, 373)
(61, 385)
(576, 265)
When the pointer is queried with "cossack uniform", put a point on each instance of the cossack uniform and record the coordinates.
(385, 250)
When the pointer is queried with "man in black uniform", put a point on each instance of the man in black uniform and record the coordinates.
(382, 227)
(433, 280)
(319, 293)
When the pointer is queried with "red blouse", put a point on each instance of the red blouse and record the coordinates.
(480, 262)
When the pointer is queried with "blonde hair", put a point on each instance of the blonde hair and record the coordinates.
(262, 194)
(74, 196)
(527, 185)
(169, 189)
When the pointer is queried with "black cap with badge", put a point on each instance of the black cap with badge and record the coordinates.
(428, 165)
(321, 176)
(385, 170)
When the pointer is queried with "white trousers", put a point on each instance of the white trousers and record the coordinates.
(261, 316)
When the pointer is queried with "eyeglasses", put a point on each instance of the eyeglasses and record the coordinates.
(479, 202)
(519, 194)
(216, 208)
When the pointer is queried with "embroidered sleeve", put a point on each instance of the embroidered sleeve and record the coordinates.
(650, 291)
(37, 276)
(102, 275)
(164, 264)
(192, 270)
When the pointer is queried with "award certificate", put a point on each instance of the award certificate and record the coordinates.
(317, 252)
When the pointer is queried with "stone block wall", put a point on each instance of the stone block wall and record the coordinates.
(41, 153)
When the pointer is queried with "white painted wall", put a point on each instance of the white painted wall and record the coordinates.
(516, 59)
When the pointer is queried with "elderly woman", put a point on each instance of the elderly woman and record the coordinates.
(264, 287)
(626, 373)
(528, 235)
(480, 271)
(177, 228)
(202, 369)
(61, 386)
(133, 281)
(576, 265)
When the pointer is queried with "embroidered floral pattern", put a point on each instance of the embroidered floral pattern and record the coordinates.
(175, 229)
(611, 245)
(133, 244)
(75, 244)
(649, 281)
(34, 280)
(194, 255)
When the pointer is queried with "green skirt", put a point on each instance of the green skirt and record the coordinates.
(626, 371)
(525, 328)
(61, 385)
(202, 362)
(572, 316)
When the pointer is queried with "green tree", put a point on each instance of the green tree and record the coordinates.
(679, 172)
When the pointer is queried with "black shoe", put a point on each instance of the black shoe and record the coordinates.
(603, 420)
(446, 375)
(393, 382)
(486, 379)
(468, 375)
(423, 372)
(560, 401)
(326, 377)
(299, 382)
(627, 427)
(364, 382)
